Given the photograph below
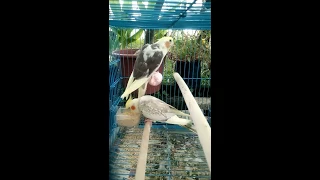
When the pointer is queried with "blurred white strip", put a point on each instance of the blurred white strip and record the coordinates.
(200, 122)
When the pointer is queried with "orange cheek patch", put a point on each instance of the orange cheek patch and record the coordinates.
(167, 44)
(133, 107)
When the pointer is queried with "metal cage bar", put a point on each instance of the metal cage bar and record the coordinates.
(169, 159)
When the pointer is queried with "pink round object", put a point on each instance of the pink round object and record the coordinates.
(156, 79)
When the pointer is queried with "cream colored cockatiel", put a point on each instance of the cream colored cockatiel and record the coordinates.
(147, 63)
(157, 110)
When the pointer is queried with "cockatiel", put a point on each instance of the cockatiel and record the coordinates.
(147, 63)
(157, 110)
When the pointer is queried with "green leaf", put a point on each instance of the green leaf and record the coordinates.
(136, 36)
(159, 34)
(128, 33)
(119, 31)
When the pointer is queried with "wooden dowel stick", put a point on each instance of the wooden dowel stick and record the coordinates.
(142, 159)
(200, 122)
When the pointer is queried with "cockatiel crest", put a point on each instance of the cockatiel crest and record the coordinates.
(148, 61)
(132, 104)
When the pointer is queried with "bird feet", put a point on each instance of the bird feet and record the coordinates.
(147, 120)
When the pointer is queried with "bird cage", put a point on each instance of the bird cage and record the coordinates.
(173, 152)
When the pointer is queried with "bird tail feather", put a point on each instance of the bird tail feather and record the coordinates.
(128, 85)
(186, 123)
(133, 86)
(142, 90)
(179, 121)
(177, 112)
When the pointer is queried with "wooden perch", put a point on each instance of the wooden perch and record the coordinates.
(200, 122)
(142, 159)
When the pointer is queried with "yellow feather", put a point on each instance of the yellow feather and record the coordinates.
(128, 102)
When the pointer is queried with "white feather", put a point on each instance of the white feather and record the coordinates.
(179, 121)
(148, 52)
(142, 90)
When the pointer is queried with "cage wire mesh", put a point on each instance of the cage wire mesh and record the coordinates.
(173, 152)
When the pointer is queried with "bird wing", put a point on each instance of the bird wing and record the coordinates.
(148, 61)
(177, 112)
(155, 109)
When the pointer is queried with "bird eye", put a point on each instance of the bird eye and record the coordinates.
(170, 40)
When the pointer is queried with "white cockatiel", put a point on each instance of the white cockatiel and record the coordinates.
(157, 110)
(147, 63)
